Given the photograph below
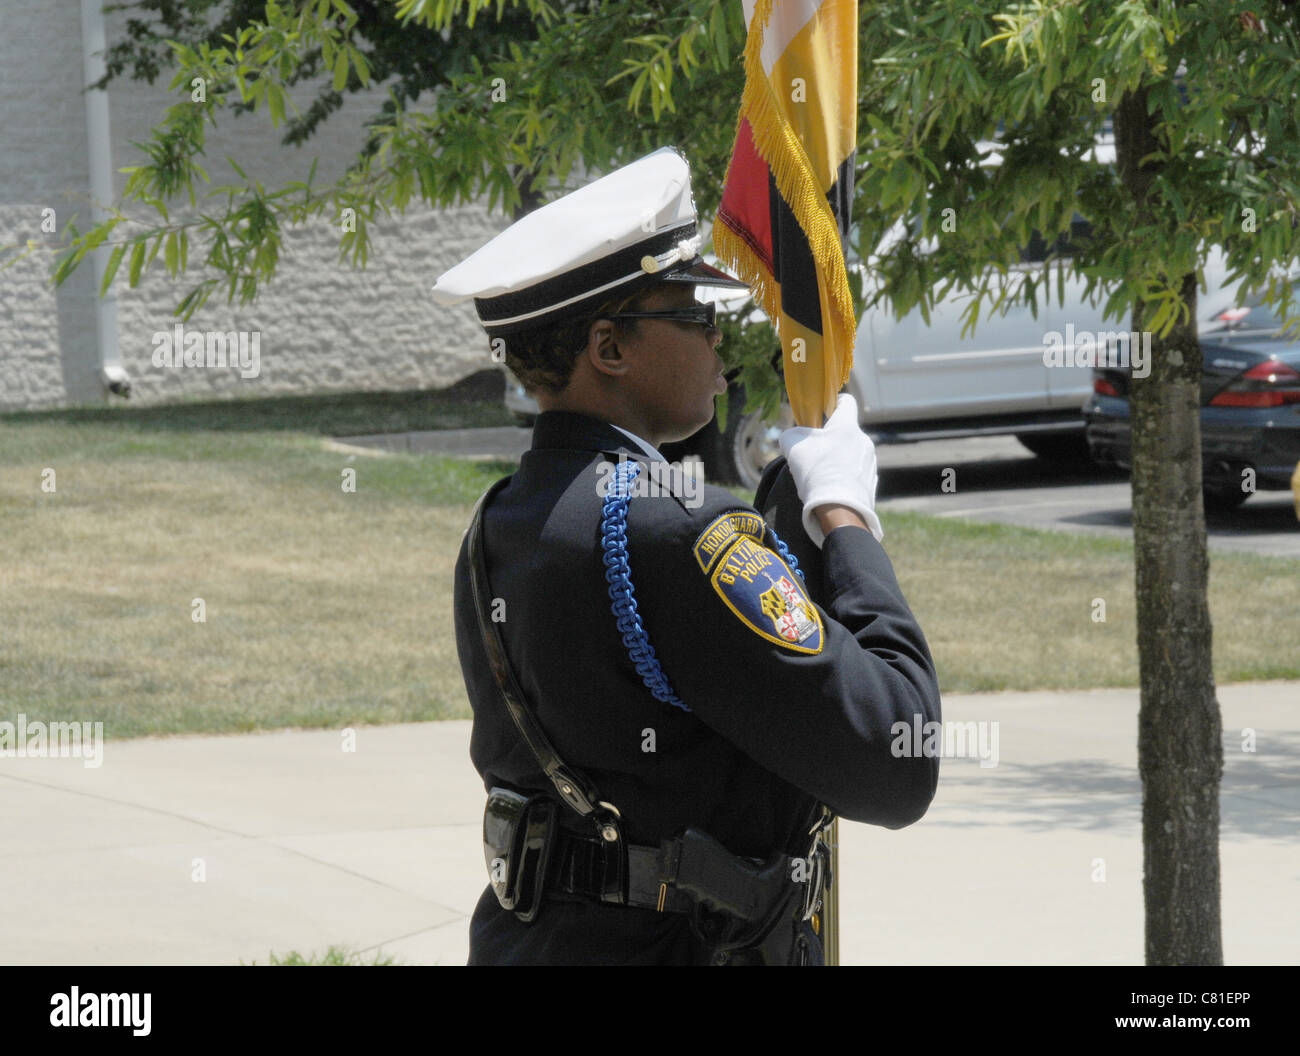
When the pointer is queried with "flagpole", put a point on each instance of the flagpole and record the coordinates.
(831, 899)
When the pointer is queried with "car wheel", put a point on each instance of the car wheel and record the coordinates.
(755, 442)
(739, 454)
(1058, 447)
(1221, 499)
(748, 444)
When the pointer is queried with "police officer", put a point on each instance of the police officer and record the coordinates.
(669, 697)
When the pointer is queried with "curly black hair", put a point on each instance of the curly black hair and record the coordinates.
(544, 358)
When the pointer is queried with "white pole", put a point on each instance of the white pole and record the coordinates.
(100, 156)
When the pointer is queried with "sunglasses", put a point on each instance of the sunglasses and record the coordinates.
(704, 314)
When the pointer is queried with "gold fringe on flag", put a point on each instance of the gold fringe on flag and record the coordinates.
(794, 175)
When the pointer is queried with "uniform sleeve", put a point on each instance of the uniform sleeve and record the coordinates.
(813, 692)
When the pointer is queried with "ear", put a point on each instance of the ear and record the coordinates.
(604, 355)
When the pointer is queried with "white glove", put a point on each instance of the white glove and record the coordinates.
(834, 464)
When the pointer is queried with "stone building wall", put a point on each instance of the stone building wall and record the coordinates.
(321, 325)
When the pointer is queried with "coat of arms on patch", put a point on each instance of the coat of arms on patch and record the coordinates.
(757, 585)
(785, 607)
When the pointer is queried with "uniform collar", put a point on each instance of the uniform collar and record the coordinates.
(582, 432)
(645, 445)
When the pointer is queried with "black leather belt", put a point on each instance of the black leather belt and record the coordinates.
(580, 871)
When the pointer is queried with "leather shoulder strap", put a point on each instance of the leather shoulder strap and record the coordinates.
(571, 785)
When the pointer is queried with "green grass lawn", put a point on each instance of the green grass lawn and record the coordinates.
(338, 956)
(328, 608)
(475, 401)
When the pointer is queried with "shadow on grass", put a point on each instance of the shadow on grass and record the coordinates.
(472, 402)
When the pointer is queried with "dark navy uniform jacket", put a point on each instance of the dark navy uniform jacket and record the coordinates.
(784, 716)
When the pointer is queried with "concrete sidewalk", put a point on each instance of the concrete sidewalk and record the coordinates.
(1037, 860)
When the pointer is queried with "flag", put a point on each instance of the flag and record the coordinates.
(785, 205)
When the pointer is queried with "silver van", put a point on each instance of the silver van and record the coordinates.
(917, 381)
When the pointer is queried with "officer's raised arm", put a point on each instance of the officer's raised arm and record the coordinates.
(828, 696)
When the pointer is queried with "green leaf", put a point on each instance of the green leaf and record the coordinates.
(170, 255)
(185, 308)
(638, 86)
(275, 103)
(718, 32)
(896, 181)
(137, 261)
(363, 67)
(114, 259)
(1105, 271)
(1156, 322)
(685, 53)
(341, 70)
(64, 268)
(97, 236)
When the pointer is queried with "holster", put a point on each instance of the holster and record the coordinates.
(748, 911)
(723, 882)
(518, 840)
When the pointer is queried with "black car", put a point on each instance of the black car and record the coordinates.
(1250, 406)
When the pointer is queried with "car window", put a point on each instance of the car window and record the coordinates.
(1253, 314)
(1065, 245)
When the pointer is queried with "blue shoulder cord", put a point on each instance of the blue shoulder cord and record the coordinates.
(613, 537)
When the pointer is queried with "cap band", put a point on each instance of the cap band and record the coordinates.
(525, 309)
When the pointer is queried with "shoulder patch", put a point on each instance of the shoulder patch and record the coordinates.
(759, 587)
(722, 531)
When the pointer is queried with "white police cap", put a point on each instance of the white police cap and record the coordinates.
(622, 233)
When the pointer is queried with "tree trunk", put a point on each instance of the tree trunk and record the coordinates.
(529, 199)
(1180, 746)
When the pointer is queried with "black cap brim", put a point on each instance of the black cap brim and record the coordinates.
(699, 273)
